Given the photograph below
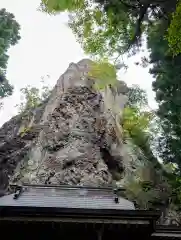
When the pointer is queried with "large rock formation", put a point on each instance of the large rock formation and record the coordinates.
(71, 138)
(75, 137)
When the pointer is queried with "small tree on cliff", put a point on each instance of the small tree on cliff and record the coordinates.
(32, 97)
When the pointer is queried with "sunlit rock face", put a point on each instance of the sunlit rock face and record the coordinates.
(71, 138)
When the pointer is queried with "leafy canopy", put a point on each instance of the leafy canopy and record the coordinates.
(174, 31)
(103, 72)
(9, 36)
(166, 71)
(93, 28)
(61, 5)
(109, 27)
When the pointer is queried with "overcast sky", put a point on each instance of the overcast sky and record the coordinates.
(47, 46)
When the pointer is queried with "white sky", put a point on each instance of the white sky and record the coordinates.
(47, 46)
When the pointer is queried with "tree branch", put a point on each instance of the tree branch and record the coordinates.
(137, 33)
(128, 5)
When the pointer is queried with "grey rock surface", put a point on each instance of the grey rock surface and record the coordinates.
(71, 138)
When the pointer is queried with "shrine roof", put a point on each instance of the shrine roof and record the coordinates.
(67, 197)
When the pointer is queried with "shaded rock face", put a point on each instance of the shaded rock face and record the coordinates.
(69, 139)
(14, 146)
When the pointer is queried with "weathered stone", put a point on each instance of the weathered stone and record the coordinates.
(75, 137)
(64, 137)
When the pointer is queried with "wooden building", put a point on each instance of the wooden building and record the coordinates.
(66, 212)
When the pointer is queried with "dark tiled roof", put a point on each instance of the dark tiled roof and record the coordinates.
(67, 197)
(167, 232)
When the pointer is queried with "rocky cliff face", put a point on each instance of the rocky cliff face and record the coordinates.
(69, 139)
(74, 138)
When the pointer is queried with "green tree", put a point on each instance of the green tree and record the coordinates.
(32, 97)
(137, 120)
(137, 97)
(9, 36)
(174, 31)
(166, 71)
(105, 28)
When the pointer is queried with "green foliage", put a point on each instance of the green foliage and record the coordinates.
(137, 122)
(32, 98)
(136, 127)
(142, 193)
(93, 28)
(55, 6)
(166, 70)
(142, 186)
(24, 130)
(103, 72)
(105, 28)
(9, 36)
(5, 89)
(137, 97)
(174, 31)
(94, 31)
